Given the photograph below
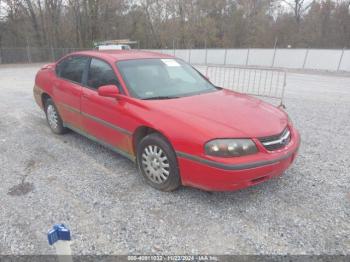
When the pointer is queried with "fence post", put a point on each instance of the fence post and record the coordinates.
(29, 57)
(341, 58)
(274, 52)
(173, 47)
(189, 56)
(52, 54)
(206, 56)
(274, 56)
(246, 61)
(305, 59)
(225, 58)
(282, 105)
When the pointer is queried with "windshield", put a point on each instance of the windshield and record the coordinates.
(162, 79)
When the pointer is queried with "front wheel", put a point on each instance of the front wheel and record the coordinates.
(157, 163)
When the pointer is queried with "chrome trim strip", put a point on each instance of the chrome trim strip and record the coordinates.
(96, 119)
(69, 108)
(278, 141)
(105, 123)
(234, 166)
(93, 138)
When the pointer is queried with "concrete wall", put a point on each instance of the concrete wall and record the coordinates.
(315, 59)
(290, 58)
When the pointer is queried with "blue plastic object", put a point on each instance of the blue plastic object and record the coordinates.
(58, 232)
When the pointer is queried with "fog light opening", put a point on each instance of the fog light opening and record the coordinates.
(258, 180)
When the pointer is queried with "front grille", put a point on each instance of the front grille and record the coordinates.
(276, 142)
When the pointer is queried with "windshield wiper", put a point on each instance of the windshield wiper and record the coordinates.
(160, 97)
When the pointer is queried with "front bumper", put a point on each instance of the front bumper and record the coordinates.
(215, 176)
(37, 92)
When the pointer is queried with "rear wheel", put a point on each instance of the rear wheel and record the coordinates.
(53, 118)
(157, 163)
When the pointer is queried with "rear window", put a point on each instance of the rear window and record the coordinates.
(72, 68)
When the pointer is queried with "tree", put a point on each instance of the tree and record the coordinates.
(183, 23)
(299, 8)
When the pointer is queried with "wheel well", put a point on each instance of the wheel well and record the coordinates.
(140, 133)
(44, 97)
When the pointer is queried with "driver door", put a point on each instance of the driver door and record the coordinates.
(104, 118)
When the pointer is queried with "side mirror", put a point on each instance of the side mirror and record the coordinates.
(108, 91)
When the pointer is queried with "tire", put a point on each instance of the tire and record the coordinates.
(156, 161)
(53, 118)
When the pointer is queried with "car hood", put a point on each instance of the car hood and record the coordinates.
(225, 113)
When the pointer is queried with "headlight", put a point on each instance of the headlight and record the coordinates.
(230, 147)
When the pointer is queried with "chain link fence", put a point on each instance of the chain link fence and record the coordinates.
(10, 55)
(258, 81)
(303, 59)
(333, 60)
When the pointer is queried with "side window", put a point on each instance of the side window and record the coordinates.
(100, 74)
(72, 68)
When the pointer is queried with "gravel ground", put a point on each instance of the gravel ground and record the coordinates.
(46, 179)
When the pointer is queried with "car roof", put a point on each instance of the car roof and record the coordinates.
(120, 55)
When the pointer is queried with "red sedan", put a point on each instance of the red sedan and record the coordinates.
(160, 112)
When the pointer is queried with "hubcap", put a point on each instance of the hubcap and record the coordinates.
(52, 116)
(155, 164)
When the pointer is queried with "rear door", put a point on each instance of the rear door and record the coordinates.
(67, 88)
(105, 118)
